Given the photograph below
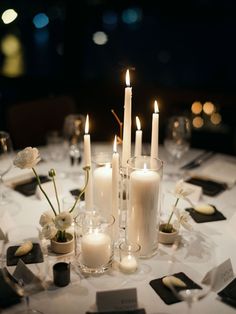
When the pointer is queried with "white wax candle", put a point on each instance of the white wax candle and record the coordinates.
(126, 145)
(115, 189)
(138, 139)
(143, 205)
(96, 249)
(87, 162)
(155, 131)
(102, 182)
(128, 264)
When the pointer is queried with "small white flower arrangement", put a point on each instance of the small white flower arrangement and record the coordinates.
(55, 223)
(182, 217)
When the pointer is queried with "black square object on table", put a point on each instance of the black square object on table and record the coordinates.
(228, 294)
(166, 294)
(200, 218)
(76, 193)
(209, 187)
(135, 311)
(33, 257)
(29, 188)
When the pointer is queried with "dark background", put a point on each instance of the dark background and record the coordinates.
(177, 52)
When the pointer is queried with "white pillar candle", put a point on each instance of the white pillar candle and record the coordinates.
(128, 264)
(96, 249)
(143, 205)
(155, 131)
(126, 145)
(138, 139)
(115, 189)
(87, 162)
(102, 182)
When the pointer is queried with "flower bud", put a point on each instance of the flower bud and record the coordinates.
(51, 173)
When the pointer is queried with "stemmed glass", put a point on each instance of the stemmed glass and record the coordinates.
(30, 276)
(6, 151)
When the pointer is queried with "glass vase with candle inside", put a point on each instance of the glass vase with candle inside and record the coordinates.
(95, 245)
(144, 188)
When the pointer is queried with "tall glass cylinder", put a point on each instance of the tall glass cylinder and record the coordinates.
(144, 189)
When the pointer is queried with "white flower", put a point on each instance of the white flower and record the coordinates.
(49, 230)
(27, 158)
(63, 221)
(181, 191)
(46, 218)
(182, 219)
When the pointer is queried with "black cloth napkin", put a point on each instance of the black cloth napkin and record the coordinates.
(209, 187)
(8, 295)
(76, 193)
(200, 218)
(34, 256)
(28, 188)
(228, 294)
(166, 294)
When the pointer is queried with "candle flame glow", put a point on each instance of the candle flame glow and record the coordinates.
(138, 123)
(86, 129)
(127, 78)
(115, 145)
(156, 109)
(145, 166)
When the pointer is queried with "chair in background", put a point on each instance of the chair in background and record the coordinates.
(29, 122)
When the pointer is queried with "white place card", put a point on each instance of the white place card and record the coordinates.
(221, 275)
(196, 194)
(117, 300)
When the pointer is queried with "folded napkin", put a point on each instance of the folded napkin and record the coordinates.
(228, 294)
(209, 187)
(200, 218)
(28, 187)
(34, 256)
(8, 295)
(166, 294)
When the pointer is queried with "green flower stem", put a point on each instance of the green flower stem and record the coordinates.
(168, 227)
(40, 186)
(61, 236)
(55, 188)
(87, 169)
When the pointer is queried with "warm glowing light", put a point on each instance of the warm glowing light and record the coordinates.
(138, 123)
(127, 78)
(100, 38)
(198, 122)
(216, 118)
(86, 129)
(208, 108)
(115, 145)
(156, 109)
(9, 16)
(196, 107)
(145, 166)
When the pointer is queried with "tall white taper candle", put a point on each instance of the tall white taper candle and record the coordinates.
(138, 139)
(87, 162)
(155, 131)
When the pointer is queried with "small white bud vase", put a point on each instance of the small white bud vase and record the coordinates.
(144, 188)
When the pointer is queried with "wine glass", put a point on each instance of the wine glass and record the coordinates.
(198, 278)
(177, 141)
(28, 270)
(6, 151)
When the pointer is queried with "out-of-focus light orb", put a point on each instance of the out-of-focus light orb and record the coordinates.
(198, 122)
(109, 18)
(216, 118)
(40, 20)
(9, 16)
(10, 45)
(100, 38)
(196, 107)
(208, 107)
(131, 15)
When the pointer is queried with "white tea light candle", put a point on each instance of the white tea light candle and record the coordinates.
(128, 264)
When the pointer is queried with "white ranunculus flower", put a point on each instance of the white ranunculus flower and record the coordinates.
(63, 221)
(182, 219)
(46, 218)
(181, 191)
(27, 158)
(49, 231)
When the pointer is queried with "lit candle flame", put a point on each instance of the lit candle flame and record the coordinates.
(86, 129)
(138, 123)
(127, 78)
(115, 145)
(145, 166)
(156, 110)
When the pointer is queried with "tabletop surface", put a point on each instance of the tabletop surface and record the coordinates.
(80, 295)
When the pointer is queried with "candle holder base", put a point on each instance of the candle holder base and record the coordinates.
(94, 270)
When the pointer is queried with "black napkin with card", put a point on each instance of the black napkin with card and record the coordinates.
(228, 294)
(200, 218)
(34, 256)
(166, 294)
(8, 295)
(29, 188)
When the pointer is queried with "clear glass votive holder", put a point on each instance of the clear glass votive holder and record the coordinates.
(96, 245)
(129, 255)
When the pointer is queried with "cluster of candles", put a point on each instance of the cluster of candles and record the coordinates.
(107, 178)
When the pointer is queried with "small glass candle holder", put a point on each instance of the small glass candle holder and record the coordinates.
(129, 254)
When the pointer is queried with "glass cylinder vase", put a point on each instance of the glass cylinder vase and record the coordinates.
(144, 196)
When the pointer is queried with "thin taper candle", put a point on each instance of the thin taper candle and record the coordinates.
(138, 139)
(155, 131)
(87, 162)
